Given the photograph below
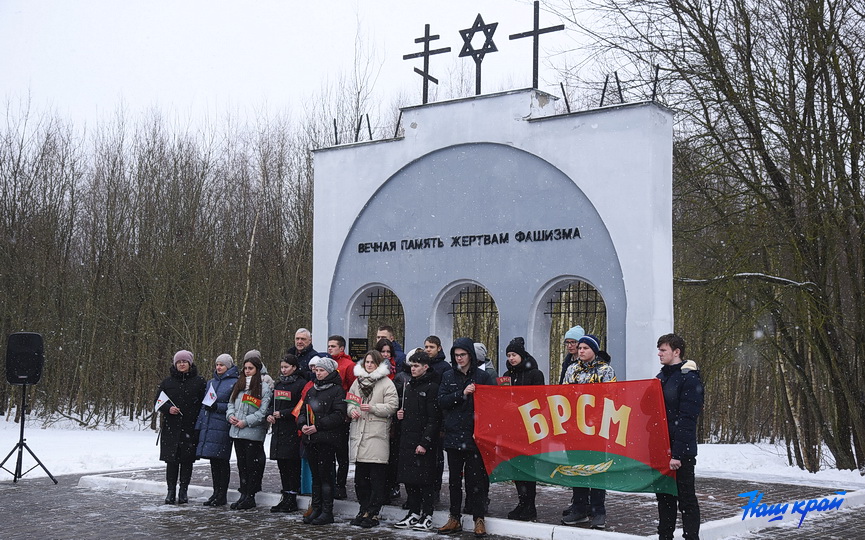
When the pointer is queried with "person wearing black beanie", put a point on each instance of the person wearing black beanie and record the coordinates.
(522, 370)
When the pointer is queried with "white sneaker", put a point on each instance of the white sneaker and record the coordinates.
(407, 522)
(424, 523)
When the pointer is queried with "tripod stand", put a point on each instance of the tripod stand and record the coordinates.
(22, 444)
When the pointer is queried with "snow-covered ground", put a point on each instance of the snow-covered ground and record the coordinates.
(67, 450)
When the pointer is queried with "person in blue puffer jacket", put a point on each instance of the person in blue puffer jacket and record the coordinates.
(213, 440)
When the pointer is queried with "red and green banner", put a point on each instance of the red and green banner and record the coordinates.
(606, 435)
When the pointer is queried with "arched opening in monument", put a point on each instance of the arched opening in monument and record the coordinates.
(475, 315)
(574, 303)
(381, 307)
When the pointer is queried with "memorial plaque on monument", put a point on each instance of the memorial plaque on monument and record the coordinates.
(357, 347)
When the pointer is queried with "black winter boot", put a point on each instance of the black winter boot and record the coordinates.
(171, 472)
(314, 505)
(517, 512)
(236, 503)
(525, 511)
(185, 479)
(290, 502)
(223, 478)
(221, 498)
(281, 506)
(247, 503)
(326, 515)
(209, 502)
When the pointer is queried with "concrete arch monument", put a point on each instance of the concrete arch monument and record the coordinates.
(494, 192)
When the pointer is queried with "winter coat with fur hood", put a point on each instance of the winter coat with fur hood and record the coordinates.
(369, 435)
(683, 399)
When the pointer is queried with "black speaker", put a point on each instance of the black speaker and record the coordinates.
(25, 355)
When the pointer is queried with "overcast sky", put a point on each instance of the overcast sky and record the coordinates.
(83, 58)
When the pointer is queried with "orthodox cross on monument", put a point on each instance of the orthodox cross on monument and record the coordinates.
(426, 53)
(535, 34)
(478, 54)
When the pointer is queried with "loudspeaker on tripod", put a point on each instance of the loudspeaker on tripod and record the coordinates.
(25, 356)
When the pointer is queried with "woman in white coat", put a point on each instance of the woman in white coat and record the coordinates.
(372, 402)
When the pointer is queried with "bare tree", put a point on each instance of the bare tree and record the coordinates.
(770, 101)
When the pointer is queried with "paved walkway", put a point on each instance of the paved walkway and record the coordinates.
(128, 504)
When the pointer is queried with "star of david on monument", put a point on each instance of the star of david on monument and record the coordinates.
(478, 54)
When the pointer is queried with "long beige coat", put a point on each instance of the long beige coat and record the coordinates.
(369, 436)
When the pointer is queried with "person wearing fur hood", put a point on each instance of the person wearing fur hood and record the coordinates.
(372, 402)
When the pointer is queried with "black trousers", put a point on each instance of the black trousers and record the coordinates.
(421, 498)
(686, 502)
(467, 464)
(289, 474)
(220, 470)
(175, 468)
(250, 464)
(321, 459)
(370, 481)
(590, 501)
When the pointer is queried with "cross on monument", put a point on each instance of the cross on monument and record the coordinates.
(535, 34)
(426, 53)
(478, 54)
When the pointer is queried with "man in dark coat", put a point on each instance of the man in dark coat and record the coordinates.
(345, 366)
(683, 399)
(303, 351)
(456, 400)
(438, 363)
(432, 346)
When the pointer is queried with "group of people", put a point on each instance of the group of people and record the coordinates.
(395, 416)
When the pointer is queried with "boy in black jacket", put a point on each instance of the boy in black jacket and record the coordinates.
(683, 399)
(456, 399)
